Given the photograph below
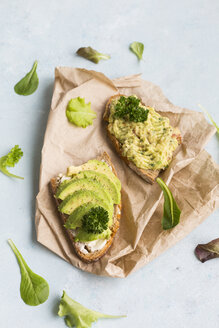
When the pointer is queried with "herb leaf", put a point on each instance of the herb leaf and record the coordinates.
(137, 48)
(210, 117)
(34, 290)
(205, 252)
(129, 109)
(80, 113)
(29, 83)
(91, 54)
(76, 315)
(96, 220)
(10, 160)
(171, 211)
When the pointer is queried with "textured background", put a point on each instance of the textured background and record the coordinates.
(181, 55)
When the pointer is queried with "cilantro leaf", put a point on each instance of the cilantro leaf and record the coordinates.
(80, 113)
(76, 315)
(137, 48)
(10, 160)
(129, 109)
(91, 54)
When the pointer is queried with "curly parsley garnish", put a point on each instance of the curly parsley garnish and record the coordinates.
(10, 160)
(128, 108)
(96, 220)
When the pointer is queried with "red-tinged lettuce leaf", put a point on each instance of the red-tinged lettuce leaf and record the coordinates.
(205, 252)
(92, 54)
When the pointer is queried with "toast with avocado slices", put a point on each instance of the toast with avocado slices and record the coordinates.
(143, 138)
(88, 198)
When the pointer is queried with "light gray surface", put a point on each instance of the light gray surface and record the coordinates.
(181, 55)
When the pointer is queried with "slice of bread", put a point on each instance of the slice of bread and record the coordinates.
(148, 175)
(96, 255)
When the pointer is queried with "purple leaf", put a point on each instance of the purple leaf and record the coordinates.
(205, 252)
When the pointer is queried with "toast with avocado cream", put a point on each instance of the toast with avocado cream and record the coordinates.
(144, 139)
(88, 198)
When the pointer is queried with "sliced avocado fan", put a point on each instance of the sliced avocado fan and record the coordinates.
(80, 197)
(75, 219)
(105, 182)
(65, 189)
(95, 165)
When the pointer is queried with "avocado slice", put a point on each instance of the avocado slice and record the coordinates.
(84, 236)
(95, 165)
(74, 220)
(107, 184)
(80, 197)
(73, 185)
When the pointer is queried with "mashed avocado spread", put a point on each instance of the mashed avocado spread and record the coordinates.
(148, 144)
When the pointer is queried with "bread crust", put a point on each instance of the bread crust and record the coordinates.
(148, 175)
(94, 256)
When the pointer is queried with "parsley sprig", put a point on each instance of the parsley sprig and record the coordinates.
(96, 220)
(128, 108)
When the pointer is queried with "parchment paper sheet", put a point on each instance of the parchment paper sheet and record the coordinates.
(192, 176)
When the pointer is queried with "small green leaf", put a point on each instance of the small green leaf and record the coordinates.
(137, 48)
(10, 160)
(34, 290)
(29, 83)
(91, 54)
(171, 211)
(210, 117)
(76, 315)
(80, 113)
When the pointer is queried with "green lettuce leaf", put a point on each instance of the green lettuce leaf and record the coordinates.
(80, 113)
(10, 160)
(171, 211)
(76, 315)
(91, 54)
(137, 48)
(210, 117)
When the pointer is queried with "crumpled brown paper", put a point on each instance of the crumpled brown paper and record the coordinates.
(192, 176)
